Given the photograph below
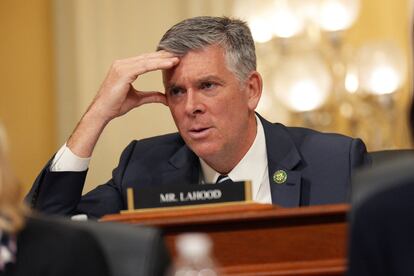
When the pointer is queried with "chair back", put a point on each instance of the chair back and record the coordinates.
(389, 169)
(130, 250)
(379, 157)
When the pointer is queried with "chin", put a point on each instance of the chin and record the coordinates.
(205, 151)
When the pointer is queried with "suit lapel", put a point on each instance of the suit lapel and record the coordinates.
(185, 168)
(283, 157)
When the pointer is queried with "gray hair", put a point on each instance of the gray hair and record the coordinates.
(233, 35)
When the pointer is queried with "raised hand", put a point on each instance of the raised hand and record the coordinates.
(117, 96)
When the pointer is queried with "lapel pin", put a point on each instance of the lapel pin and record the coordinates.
(280, 177)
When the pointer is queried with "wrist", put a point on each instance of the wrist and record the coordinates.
(94, 118)
(86, 134)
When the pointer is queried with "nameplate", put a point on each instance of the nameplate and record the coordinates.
(185, 195)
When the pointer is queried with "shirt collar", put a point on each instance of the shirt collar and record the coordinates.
(252, 166)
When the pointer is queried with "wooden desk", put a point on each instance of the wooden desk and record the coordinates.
(258, 239)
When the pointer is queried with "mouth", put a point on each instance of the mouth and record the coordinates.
(199, 132)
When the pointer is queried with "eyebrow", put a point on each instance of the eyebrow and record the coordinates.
(211, 78)
(169, 87)
(201, 80)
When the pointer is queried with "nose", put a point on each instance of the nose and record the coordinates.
(194, 105)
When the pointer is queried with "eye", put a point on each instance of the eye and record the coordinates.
(175, 91)
(207, 85)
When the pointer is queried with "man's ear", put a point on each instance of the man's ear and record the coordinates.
(254, 85)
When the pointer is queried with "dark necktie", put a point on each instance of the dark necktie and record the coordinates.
(224, 179)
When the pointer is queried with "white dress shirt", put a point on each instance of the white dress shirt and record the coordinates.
(66, 160)
(253, 166)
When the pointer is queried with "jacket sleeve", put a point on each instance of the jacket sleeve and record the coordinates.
(60, 193)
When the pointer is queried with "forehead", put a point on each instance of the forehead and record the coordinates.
(196, 64)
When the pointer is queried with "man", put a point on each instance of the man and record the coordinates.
(212, 89)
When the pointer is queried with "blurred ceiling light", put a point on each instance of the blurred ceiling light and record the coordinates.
(302, 83)
(287, 21)
(258, 16)
(304, 95)
(329, 85)
(383, 80)
(337, 15)
(261, 30)
(269, 18)
(351, 81)
(382, 68)
(308, 9)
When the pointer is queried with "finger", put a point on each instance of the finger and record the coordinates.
(153, 97)
(158, 54)
(136, 99)
(143, 97)
(141, 67)
(128, 73)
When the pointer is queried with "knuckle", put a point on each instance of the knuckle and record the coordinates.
(116, 66)
(117, 63)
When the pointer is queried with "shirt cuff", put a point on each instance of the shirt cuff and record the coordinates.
(66, 160)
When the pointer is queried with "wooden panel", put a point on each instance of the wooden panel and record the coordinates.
(260, 239)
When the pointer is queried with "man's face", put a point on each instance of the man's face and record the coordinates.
(213, 111)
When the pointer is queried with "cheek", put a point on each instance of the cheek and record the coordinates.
(237, 105)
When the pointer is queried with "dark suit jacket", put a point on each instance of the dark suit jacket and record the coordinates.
(318, 169)
(49, 248)
(382, 221)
